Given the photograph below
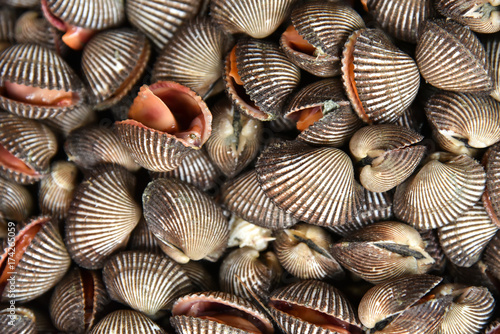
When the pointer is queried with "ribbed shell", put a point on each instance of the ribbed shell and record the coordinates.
(268, 77)
(93, 14)
(315, 295)
(68, 305)
(196, 169)
(71, 120)
(235, 139)
(16, 203)
(245, 198)
(440, 192)
(288, 175)
(194, 56)
(338, 123)
(490, 329)
(126, 322)
(146, 282)
(380, 80)
(56, 190)
(478, 15)
(257, 18)
(450, 57)
(94, 145)
(401, 19)
(7, 23)
(160, 19)
(142, 239)
(492, 256)
(25, 324)
(112, 62)
(29, 141)
(385, 300)
(37, 66)
(245, 268)
(200, 277)
(464, 240)
(102, 215)
(492, 193)
(412, 118)
(187, 222)
(468, 117)
(31, 27)
(492, 48)
(43, 264)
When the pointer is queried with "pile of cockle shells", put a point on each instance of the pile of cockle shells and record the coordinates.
(249, 166)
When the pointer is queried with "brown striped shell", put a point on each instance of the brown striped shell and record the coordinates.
(257, 18)
(200, 277)
(188, 223)
(383, 251)
(142, 239)
(44, 260)
(492, 257)
(93, 145)
(17, 202)
(71, 120)
(126, 322)
(235, 140)
(259, 78)
(101, 216)
(296, 307)
(24, 323)
(463, 123)
(381, 81)
(112, 62)
(145, 282)
(450, 57)
(287, 174)
(492, 48)
(77, 300)
(194, 57)
(41, 70)
(337, 122)
(479, 15)
(491, 197)
(445, 187)
(26, 148)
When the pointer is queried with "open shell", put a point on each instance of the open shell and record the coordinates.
(126, 322)
(479, 15)
(17, 202)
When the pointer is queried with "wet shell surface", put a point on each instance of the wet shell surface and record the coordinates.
(101, 216)
(287, 174)
(492, 48)
(481, 16)
(26, 148)
(450, 57)
(445, 187)
(194, 57)
(112, 62)
(37, 82)
(126, 322)
(381, 81)
(17, 202)
(188, 223)
(146, 282)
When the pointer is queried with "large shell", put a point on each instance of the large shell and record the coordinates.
(31, 27)
(491, 197)
(380, 80)
(146, 282)
(126, 322)
(444, 188)
(23, 323)
(268, 77)
(16, 203)
(288, 175)
(77, 300)
(112, 62)
(338, 121)
(257, 18)
(194, 56)
(463, 122)
(102, 215)
(188, 223)
(492, 48)
(451, 57)
(479, 15)
(26, 148)
(235, 140)
(39, 67)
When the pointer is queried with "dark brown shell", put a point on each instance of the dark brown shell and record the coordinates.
(17, 202)
(56, 190)
(7, 23)
(32, 27)
(478, 15)
(24, 324)
(492, 48)
(126, 322)
(491, 197)
(142, 239)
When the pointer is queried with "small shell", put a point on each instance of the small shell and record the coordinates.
(142, 239)
(7, 23)
(126, 322)
(463, 122)
(112, 62)
(491, 197)
(288, 175)
(16, 203)
(245, 198)
(235, 140)
(380, 80)
(194, 56)
(93, 145)
(200, 277)
(102, 215)
(24, 321)
(243, 233)
(188, 223)
(146, 282)
(71, 120)
(450, 57)
(492, 48)
(444, 188)
(257, 18)
(492, 256)
(479, 15)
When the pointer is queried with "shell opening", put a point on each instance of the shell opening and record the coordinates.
(306, 117)
(297, 43)
(88, 291)
(222, 313)
(316, 317)
(39, 96)
(9, 161)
